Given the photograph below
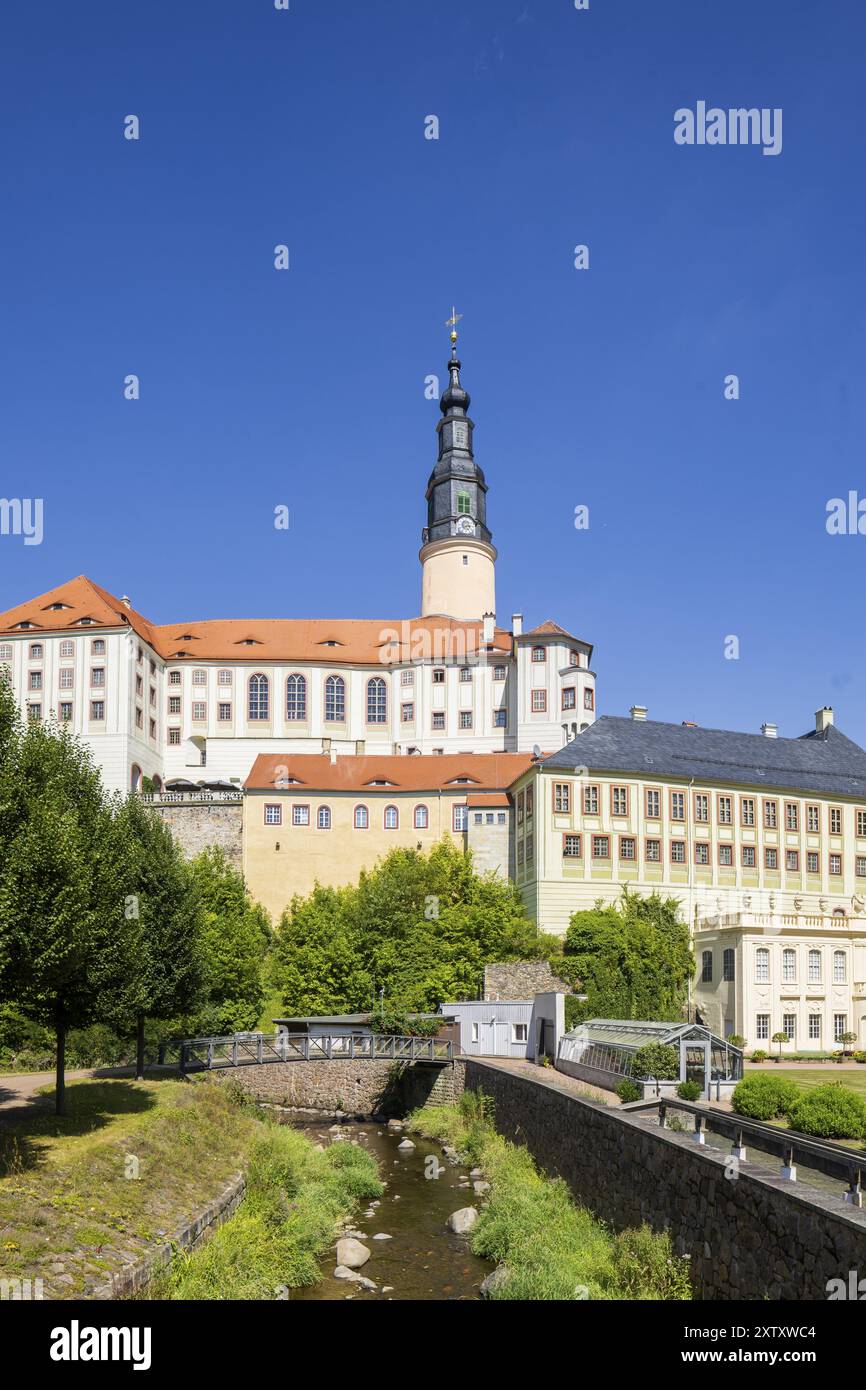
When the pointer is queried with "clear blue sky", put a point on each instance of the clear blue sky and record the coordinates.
(306, 387)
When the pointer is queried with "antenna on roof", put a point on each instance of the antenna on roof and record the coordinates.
(536, 751)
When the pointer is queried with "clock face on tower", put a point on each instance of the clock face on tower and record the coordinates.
(465, 526)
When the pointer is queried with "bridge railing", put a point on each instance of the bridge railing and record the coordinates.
(194, 1054)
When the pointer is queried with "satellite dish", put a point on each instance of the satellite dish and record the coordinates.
(536, 751)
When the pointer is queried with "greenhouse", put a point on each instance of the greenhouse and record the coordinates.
(603, 1050)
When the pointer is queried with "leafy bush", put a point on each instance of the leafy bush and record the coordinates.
(628, 1091)
(759, 1055)
(830, 1112)
(859, 1056)
(689, 1090)
(764, 1097)
(657, 1062)
(737, 1040)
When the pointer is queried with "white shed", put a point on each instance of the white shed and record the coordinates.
(509, 1027)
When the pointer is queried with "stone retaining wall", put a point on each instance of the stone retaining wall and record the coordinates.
(358, 1087)
(198, 826)
(754, 1236)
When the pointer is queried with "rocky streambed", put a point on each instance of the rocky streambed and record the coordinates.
(413, 1242)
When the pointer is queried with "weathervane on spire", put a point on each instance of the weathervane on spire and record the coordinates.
(452, 323)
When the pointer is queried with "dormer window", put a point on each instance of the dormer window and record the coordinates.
(330, 642)
(249, 642)
(55, 607)
(84, 622)
(461, 781)
(380, 782)
(23, 627)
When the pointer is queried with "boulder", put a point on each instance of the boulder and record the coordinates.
(462, 1221)
(406, 1144)
(380, 1235)
(494, 1281)
(395, 1124)
(479, 1188)
(351, 1253)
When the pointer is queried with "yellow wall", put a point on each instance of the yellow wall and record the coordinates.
(464, 591)
(332, 857)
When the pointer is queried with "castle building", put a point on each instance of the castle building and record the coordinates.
(198, 702)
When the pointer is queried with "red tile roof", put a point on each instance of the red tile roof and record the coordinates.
(402, 773)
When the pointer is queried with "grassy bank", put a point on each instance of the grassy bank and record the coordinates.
(528, 1223)
(295, 1197)
(82, 1194)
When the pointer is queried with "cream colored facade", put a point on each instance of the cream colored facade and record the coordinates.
(458, 576)
(804, 975)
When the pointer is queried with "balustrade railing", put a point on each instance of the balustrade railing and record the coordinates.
(207, 1053)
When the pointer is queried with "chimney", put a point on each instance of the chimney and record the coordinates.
(489, 621)
(333, 756)
(126, 601)
(517, 624)
(823, 719)
(638, 711)
(770, 730)
(360, 747)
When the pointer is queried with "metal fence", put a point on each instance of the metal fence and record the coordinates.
(194, 1054)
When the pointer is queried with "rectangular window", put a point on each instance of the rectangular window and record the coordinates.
(65, 712)
(500, 718)
(814, 1027)
(789, 966)
(726, 856)
(812, 862)
(569, 697)
(438, 719)
(835, 820)
(174, 678)
(588, 699)
(35, 682)
(840, 1026)
(273, 814)
(466, 674)
(530, 849)
(465, 719)
(792, 815)
(835, 864)
(792, 861)
(619, 801)
(747, 810)
(407, 677)
(771, 815)
(300, 815)
(460, 817)
(174, 704)
(34, 712)
(838, 967)
(139, 719)
(67, 676)
(653, 803)
(789, 1026)
(174, 737)
(97, 646)
(590, 801)
(748, 853)
(762, 1027)
(861, 823)
(571, 846)
(199, 711)
(678, 851)
(35, 651)
(97, 710)
(627, 847)
(706, 967)
(725, 810)
(539, 701)
(654, 851)
(539, 654)
(860, 866)
(529, 803)
(702, 853)
(562, 797)
(678, 805)
(771, 858)
(438, 675)
(97, 675)
(224, 711)
(728, 965)
(762, 966)
(66, 649)
(519, 1032)
(702, 807)
(152, 728)
(601, 847)
(813, 819)
(499, 673)
(139, 685)
(407, 713)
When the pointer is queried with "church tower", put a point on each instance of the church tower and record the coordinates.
(457, 554)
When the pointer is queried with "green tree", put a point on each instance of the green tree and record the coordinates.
(162, 924)
(633, 960)
(235, 936)
(61, 942)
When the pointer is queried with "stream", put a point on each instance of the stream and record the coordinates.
(423, 1260)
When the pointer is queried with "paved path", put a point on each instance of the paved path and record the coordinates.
(548, 1076)
(18, 1093)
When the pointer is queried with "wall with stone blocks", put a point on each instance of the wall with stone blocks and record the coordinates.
(198, 827)
(359, 1087)
(520, 979)
(753, 1237)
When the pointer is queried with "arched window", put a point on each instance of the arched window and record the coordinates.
(335, 700)
(706, 967)
(135, 778)
(259, 699)
(464, 504)
(421, 818)
(323, 818)
(728, 964)
(762, 965)
(838, 967)
(362, 818)
(789, 965)
(814, 967)
(377, 701)
(296, 697)
(392, 818)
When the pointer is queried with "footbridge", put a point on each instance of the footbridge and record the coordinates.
(209, 1054)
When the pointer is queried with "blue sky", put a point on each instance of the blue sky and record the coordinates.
(306, 388)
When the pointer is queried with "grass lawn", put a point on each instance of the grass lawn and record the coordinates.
(807, 1077)
(67, 1194)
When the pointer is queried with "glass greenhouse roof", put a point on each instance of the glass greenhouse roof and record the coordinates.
(633, 1033)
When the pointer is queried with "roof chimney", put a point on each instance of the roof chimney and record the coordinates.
(770, 730)
(517, 624)
(489, 620)
(126, 601)
(333, 756)
(823, 719)
(638, 711)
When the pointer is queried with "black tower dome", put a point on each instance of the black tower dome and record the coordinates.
(456, 492)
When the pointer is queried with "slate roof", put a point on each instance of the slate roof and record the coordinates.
(826, 762)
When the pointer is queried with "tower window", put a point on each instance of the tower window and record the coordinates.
(464, 504)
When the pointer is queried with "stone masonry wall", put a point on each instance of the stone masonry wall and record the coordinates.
(520, 979)
(359, 1087)
(200, 826)
(753, 1237)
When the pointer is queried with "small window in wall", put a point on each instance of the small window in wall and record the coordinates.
(728, 964)
(476, 1032)
(323, 818)
(464, 504)
(273, 814)
(519, 1032)
(707, 967)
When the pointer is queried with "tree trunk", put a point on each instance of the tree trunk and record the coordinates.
(60, 1077)
(139, 1049)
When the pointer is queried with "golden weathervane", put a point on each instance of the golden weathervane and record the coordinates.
(453, 322)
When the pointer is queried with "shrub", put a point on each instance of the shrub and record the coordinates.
(737, 1040)
(764, 1097)
(759, 1055)
(860, 1056)
(656, 1061)
(689, 1090)
(628, 1091)
(830, 1112)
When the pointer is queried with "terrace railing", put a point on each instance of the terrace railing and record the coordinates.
(195, 1054)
